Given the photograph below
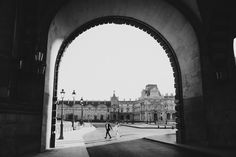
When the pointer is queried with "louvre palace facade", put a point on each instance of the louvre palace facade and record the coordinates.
(150, 107)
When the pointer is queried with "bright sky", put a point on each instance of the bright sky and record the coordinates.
(114, 57)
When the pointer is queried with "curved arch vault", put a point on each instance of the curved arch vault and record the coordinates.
(159, 19)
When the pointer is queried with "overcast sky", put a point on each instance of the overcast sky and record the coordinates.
(114, 57)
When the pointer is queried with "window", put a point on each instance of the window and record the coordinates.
(168, 116)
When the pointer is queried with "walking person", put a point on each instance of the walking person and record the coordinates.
(116, 129)
(108, 128)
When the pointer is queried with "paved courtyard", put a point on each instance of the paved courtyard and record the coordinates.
(89, 141)
(96, 137)
(132, 143)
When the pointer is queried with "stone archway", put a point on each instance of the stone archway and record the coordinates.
(158, 18)
(145, 27)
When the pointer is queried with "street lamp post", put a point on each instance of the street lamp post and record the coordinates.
(146, 112)
(141, 108)
(73, 115)
(81, 103)
(133, 113)
(118, 118)
(166, 107)
(149, 118)
(61, 129)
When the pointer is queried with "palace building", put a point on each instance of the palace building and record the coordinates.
(150, 107)
(92, 110)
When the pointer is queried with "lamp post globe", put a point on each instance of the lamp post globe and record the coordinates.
(61, 126)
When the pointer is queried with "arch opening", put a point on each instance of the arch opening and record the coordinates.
(142, 26)
(156, 17)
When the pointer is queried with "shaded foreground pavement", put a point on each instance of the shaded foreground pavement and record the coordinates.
(141, 148)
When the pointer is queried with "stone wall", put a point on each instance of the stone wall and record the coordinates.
(20, 133)
(20, 119)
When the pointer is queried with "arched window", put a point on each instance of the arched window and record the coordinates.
(173, 116)
(168, 116)
(101, 117)
(127, 117)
